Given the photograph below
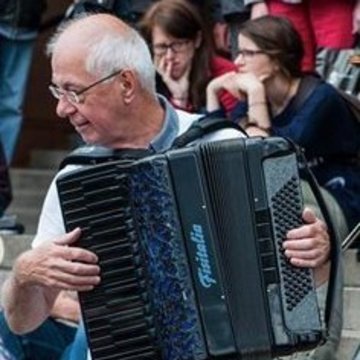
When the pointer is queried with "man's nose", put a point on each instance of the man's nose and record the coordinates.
(64, 107)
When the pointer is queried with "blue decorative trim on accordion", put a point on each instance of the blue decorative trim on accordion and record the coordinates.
(172, 294)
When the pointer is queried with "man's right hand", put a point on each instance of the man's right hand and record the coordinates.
(58, 266)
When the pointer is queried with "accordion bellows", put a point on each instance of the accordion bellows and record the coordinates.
(190, 249)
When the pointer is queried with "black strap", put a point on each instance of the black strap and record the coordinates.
(204, 126)
(352, 102)
(92, 155)
(307, 85)
(335, 251)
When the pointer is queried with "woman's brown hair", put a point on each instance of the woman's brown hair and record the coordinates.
(182, 20)
(277, 37)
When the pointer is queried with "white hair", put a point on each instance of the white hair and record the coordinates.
(112, 51)
(129, 51)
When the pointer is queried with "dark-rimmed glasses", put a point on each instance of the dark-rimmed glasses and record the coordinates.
(74, 97)
(247, 53)
(175, 46)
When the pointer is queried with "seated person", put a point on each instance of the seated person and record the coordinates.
(110, 101)
(184, 58)
(269, 76)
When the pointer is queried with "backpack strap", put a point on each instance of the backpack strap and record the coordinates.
(352, 102)
(205, 125)
(93, 155)
(307, 85)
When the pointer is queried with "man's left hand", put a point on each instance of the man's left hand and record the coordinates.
(309, 244)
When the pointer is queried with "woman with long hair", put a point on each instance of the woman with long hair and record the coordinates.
(269, 77)
(183, 54)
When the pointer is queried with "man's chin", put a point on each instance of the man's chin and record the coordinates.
(88, 139)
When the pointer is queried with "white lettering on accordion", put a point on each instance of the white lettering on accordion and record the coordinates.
(202, 257)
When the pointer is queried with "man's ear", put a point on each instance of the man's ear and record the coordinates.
(127, 83)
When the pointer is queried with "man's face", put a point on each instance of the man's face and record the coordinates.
(96, 117)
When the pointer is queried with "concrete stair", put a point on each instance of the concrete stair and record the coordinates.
(351, 327)
(29, 190)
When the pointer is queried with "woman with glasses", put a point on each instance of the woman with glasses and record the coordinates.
(284, 101)
(183, 55)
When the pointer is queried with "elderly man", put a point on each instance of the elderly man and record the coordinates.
(103, 78)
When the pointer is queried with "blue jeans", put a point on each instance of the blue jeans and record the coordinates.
(48, 342)
(15, 61)
(77, 350)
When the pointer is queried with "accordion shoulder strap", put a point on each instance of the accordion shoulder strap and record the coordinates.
(205, 125)
(93, 155)
(335, 282)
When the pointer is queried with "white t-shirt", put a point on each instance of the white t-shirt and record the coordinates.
(51, 223)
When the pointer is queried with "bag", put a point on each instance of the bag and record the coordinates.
(336, 67)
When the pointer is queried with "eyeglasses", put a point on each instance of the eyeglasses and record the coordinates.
(247, 53)
(175, 46)
(74, 97)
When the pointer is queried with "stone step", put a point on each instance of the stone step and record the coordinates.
(351, 308)
(29, 190)
(11, 246)
(350, 341)
(47, 159)
(27, 217)
(28, 198)
(37, 179)
(351, 268)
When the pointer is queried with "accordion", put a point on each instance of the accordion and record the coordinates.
(190, 249)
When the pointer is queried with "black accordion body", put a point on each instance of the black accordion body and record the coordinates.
(190, 249)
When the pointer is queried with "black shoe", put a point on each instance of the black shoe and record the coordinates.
(10, 226)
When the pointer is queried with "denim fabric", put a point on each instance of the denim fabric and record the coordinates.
(48, 342)
(15, 61)
(78, 349)
(4, 354)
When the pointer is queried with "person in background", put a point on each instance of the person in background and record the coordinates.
(322, 24)
(269, 76)
(19, 23)
(111, 102)
(129, 11)
(184, 58)
(231, 14)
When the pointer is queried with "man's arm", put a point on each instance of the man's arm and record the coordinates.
(38, 276)
(25, 307)
(67, 307)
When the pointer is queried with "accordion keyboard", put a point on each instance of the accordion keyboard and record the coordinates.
(116, 313)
